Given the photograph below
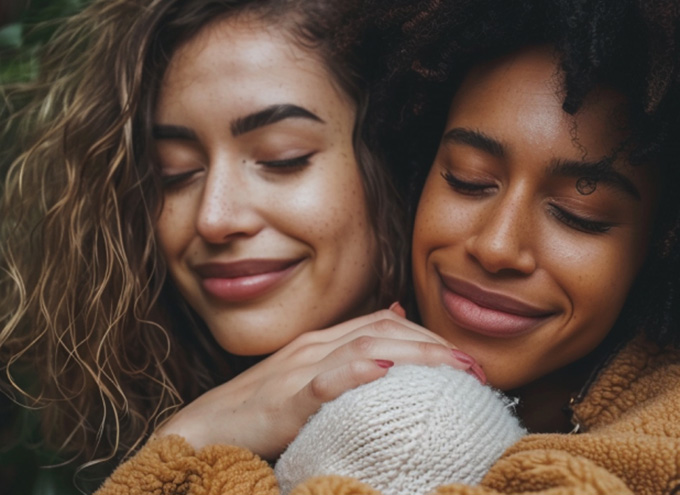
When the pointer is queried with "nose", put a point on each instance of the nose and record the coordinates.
(503, 239)
(227, 209)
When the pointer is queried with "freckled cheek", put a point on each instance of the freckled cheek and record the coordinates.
(328, 206)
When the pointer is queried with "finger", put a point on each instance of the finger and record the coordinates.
(313, 347)
(307, 351)
(398, 351)
(332, 383)
(390, 325)
(398, 309)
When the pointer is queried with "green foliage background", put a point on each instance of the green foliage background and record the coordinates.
(22, 38)
(23, 463)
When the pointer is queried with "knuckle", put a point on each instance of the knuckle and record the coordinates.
(363, 344)
(382, 314)
(356, 370)
(305, 339)
(429, 349)
(319, 389)
(385, 314)
(383, 326)
(308, 352)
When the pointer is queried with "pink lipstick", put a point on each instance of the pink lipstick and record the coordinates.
(487, 312)
(243, 280)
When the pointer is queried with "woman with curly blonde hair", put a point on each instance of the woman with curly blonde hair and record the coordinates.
(189, 190)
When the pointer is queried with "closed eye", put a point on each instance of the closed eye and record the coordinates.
(465, 187)
(174, 180)
(579, 223)
(295, 162)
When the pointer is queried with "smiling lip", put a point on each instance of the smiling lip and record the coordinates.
(243, 280)
(487, 312)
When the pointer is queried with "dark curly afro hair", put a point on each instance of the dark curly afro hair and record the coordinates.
(420, 51)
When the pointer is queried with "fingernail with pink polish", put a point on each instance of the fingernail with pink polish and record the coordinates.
(463, 357)
(384, 363)
(398, 309)
(477, 371)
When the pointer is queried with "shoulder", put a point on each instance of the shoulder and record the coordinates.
(640, 384)
(170, 465)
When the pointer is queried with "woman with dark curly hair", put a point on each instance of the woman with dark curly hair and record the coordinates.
(189, 191)
(546, 234)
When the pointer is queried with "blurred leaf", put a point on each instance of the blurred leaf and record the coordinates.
(17, 71)
(11, 35)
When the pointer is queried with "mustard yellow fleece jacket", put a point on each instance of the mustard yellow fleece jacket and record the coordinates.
(629, 444)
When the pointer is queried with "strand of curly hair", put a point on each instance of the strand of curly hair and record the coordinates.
(79, 272)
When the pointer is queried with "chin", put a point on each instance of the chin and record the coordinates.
(249, 340)
(261, 347)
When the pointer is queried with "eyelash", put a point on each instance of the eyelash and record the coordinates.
(569, 219)
(579, 223)
(466, 188)
(295, 162)
(169, 181)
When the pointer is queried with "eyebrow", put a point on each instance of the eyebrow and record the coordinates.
(476, 139)
(241, 125)
(600, 171)
(164, 131)
(270, 115)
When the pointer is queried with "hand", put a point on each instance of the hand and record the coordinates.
(263, 408)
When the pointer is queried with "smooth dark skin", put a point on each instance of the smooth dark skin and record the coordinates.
(502, 212)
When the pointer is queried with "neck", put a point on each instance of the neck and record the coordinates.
(544, 403)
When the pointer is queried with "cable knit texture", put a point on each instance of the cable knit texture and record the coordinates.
(413, 430)
(630, 444)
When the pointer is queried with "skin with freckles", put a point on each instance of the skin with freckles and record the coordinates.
(266, 234)
(514, 261)
(264, 225)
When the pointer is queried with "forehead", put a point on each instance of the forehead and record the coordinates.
(242, 63)
(523, 92)
(517, 101)
(235, 40)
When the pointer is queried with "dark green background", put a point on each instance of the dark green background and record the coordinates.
(25, 27)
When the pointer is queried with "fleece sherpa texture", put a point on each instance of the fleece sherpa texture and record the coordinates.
(630, 444)
(170, 466)
(412, 430)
